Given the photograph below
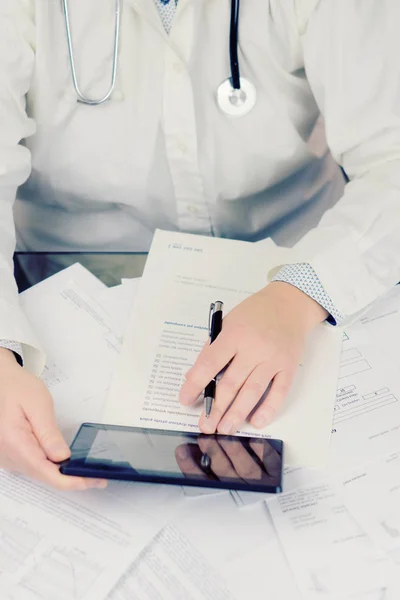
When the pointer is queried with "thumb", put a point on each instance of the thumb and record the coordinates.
(40, 413)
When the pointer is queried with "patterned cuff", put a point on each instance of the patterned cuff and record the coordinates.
(15, 347)
(303, 276)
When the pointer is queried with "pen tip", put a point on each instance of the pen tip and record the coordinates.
(208, 406)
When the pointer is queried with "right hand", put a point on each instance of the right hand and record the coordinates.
(30, 441)
(230, 459)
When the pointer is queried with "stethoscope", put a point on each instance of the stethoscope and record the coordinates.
(236, 96)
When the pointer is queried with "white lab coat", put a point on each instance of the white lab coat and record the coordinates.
(161, 154)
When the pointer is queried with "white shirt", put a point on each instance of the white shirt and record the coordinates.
(161, 154)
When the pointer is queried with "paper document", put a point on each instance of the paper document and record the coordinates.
(382, 322)
(212, 551)
(366, 420)
(372, 494)
(74, 546)
(118, 301)
(82, 346)
(168, 327)
(329, 553)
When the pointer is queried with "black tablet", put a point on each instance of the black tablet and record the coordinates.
(152, 455)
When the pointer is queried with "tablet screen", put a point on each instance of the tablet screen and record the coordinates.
(196, 459)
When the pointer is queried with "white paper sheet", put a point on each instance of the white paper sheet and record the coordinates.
(74, 546)
(82, 277)
(82, 346)
(168, 328)
(118, 301)
(330, 555)
(372, 493)
(73, 328)
(212, 551)
(366, 420)
(382, 322)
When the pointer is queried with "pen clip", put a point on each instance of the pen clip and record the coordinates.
(210, 315)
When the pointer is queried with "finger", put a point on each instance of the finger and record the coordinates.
(248, 397)
(279, 389)
(29, 459)
(40, 414)
(243, 463)
(271, 459)
(184, 456)
(47, 472)
(220, 463)
(228, 387)
(211, 360)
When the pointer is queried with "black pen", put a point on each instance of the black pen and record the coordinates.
(214, 329)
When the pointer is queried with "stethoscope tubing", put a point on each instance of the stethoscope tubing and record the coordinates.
(227, 90)
(81, 97)
(234, 44)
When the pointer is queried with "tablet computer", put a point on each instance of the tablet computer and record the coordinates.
(173, 457)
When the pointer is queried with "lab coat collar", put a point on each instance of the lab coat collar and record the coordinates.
(148, 10)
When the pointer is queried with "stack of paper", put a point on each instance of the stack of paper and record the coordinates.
(333, 534)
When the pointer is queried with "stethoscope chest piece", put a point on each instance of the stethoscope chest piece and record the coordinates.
(236, 102)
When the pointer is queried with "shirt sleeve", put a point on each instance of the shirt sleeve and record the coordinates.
(17, 51)
(15, 347)
(304, 278)
(351, 57)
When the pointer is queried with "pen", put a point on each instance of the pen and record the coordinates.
(214, 329)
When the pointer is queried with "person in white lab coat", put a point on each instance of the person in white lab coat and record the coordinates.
(161, 153)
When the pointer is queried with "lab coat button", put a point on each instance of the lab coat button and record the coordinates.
(193, 209)
(183, 148)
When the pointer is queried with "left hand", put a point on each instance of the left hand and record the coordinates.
(262, 339)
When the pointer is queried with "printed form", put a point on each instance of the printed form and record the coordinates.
(372, 493)
(366, 420)
(331, 556)
(168, 328)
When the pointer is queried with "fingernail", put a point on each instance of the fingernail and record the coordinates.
(227, 428)
(101, 484)
(263, 419)
(59, 449)
(207, 426)
(259, 421)
(182, 453)
(81, 486)
(185, 399)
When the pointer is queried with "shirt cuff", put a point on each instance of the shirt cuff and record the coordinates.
(304, 278)
(15, 347)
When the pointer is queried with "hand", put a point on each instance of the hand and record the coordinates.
(30, 442)
(231, 459)
(262, 341)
